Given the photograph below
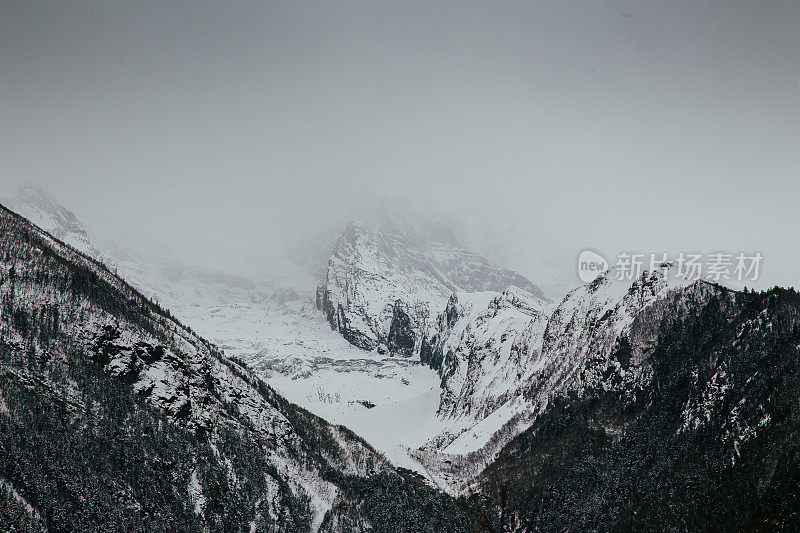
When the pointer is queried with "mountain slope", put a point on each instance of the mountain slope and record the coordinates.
(114, 414)
(36, 204)
(509, 358)
(389, 277)
(693, 425)
(478, 353)
(277, 331)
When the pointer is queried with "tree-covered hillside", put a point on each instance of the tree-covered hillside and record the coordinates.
(115, 417)
(705, 437)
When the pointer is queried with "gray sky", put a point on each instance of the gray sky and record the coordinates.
(651, 126)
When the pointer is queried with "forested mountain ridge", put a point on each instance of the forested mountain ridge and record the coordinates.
(115, 416)
(691, 424)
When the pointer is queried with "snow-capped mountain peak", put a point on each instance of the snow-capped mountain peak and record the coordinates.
(389, 277)
(36, 204)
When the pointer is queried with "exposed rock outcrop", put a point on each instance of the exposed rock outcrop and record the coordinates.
(393, 274)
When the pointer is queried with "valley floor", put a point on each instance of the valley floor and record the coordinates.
(390, 402)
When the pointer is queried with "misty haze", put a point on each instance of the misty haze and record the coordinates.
(403, 267)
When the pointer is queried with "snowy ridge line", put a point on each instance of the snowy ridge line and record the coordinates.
(61, 249)
(179, 373)
(499, 374)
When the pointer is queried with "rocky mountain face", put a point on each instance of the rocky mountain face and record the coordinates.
(390, 277)
(688, 422)
(660, 403)
(502, 358)
(114, 414)
(478, 350)
(654, 403)
(501, 350)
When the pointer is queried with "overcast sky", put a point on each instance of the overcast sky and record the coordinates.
(650, 126)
